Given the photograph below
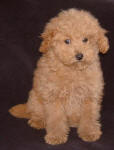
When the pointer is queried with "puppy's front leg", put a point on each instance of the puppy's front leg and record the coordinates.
(89, 127)
(56, 123)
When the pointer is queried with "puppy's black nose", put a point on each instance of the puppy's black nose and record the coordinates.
(79, 56)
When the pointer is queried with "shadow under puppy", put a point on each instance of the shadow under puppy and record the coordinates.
(68, 81)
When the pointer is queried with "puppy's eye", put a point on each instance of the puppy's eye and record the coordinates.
(67, 41)
(85, 40)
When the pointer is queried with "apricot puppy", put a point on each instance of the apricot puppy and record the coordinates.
(68, 81)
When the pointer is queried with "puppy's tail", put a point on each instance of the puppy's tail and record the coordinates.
(19, 111)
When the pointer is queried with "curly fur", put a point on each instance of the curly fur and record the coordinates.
(67, 92)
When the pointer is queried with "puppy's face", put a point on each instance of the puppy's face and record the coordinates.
(75, 38)
(79, 49)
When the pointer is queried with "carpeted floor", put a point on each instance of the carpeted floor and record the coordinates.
(21, 22)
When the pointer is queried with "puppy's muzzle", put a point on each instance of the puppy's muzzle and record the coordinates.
(79, 56)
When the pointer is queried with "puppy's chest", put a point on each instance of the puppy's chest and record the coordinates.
(72, 95)
(74, 89)
(77, 87)
(74, 92)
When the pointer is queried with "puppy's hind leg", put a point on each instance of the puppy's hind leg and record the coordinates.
(35, 107)
(36, 122)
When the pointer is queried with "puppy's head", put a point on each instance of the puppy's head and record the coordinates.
(74, 37)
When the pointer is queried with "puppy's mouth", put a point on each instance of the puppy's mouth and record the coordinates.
(81, 64)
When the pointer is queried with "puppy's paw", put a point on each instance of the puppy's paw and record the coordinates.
(89, 135)
(36, 124)
(54, 140)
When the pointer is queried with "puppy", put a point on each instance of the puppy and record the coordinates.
(68, 81)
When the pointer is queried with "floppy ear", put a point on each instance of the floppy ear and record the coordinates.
(47, 39)
(103, 42)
